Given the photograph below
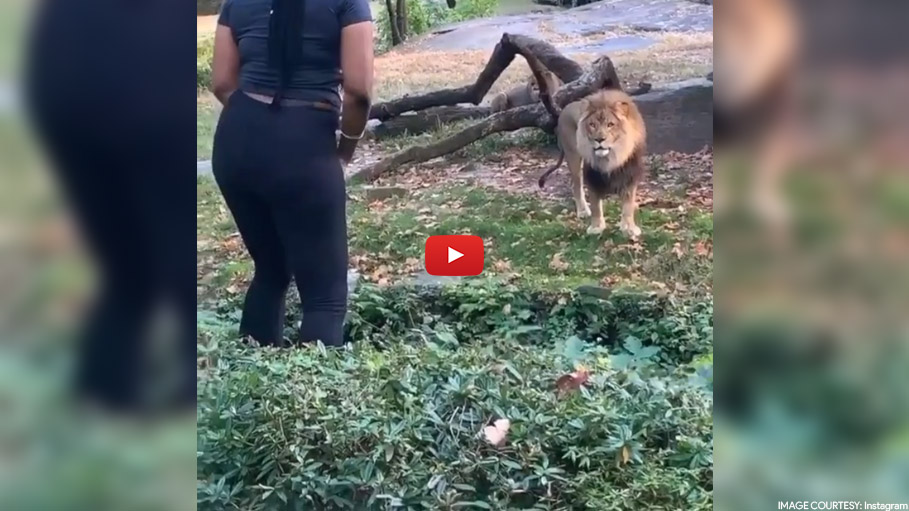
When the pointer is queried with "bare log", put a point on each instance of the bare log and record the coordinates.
(505, 51)
(601, 75)
(428, 120)
(509, 120)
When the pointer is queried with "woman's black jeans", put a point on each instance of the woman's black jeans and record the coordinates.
(283, 183)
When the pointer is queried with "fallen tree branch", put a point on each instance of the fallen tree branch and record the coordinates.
(508, 120)
(504, 53)
(428, 120)
(601, 75)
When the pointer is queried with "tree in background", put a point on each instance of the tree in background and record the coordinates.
(208, 7)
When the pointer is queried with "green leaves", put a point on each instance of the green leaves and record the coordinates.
(471, 505)
(574, 351)
(397, 422)
(398, 427)
(487, 311)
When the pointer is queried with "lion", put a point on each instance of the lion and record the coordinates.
(527, 93)
(756, 59)
(603, 138)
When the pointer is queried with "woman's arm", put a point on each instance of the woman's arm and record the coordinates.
(357, 69)
(225, 68)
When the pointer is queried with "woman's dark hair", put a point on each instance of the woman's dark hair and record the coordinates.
(285, 41)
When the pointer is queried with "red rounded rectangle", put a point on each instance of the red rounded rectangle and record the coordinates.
(454, 255)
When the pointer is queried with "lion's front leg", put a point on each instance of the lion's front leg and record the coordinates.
(577, 187)
(597, 222)
(629, 205)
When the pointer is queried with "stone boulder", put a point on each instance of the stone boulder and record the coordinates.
(679, 116)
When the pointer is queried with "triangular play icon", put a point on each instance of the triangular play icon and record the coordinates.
(454, 255)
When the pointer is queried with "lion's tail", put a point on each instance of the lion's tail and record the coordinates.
(552, 169)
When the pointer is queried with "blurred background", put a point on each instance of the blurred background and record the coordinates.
(54, 452)
(812, 238)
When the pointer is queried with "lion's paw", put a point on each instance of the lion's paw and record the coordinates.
(594, 229)
(584, 212)
(632, 231)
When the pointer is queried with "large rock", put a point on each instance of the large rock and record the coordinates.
(595, 291)
(353, 280)
(425, 281)
(380, 193)
(679, 116)
(203, 168)
(600, 17)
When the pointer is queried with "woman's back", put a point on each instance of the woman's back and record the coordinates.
(317, 75)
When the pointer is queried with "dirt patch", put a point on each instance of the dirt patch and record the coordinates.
(673, 56)
(676, 56)
(206, 25)
(674, 179)
(412, 72)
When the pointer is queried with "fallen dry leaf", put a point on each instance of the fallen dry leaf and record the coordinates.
(496, 433)
(411, 264)
(501, 265)
(557, 263)
(677, 250)
(572, 381)
(624, 455)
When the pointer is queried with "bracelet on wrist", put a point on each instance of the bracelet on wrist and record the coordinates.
(348, 137)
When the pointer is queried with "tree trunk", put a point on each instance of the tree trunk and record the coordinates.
(392, 21)
(401, 15)
(510, 45)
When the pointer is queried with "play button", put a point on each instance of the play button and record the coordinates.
(454, 255)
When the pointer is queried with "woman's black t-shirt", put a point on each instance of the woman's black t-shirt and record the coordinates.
(318, 77)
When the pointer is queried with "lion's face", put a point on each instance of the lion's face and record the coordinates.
(756, 41)
(610, 129)
(604, 127)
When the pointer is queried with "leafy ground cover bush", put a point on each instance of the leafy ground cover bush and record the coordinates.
(205, 52)
(494, 310)
(397, 425)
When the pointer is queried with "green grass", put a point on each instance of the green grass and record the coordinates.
(541, 241)
(529, 233)
(207, 112)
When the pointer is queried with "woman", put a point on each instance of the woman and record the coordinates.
(277, 68)
(123, 158)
